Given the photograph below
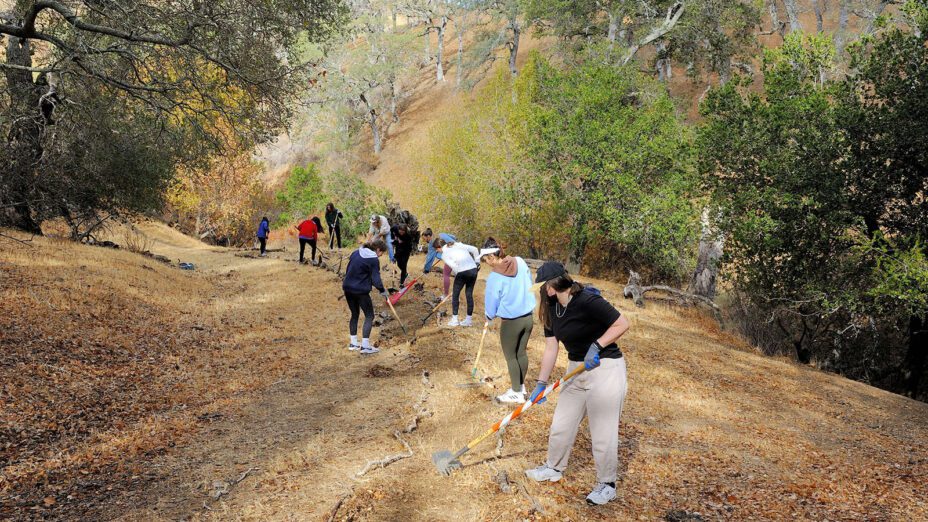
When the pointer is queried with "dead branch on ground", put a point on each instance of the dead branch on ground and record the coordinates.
(633, 290)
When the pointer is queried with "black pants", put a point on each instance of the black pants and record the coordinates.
(402, 261)
(465, 280)
(263, 241)
(312, 243)
(335, 232)
(356, 303)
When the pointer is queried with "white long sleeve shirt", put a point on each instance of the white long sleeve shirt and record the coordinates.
(460, 257)
(383, 230)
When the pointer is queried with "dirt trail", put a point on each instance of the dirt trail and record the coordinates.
(710, 426)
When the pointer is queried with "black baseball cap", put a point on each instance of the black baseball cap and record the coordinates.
(548, 271)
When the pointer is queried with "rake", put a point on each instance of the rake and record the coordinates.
(446, 462)
(403, 326)
(443, 301)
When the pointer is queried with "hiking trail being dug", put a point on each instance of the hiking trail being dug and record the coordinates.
(134, 390)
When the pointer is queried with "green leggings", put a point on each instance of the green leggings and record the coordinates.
(513, 336)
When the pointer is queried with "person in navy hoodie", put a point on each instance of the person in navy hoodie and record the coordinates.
(363, 273)
(263, 229)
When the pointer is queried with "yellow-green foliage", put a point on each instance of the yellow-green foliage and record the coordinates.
(475, 181)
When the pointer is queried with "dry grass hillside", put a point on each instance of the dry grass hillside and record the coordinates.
(133, 390)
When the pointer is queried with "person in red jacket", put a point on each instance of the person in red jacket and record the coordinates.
(309, 232)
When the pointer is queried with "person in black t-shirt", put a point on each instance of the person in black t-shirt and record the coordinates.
(588, 326)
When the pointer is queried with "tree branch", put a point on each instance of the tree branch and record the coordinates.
(673, 16)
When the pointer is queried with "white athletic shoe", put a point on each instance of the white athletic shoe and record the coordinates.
(453, 322)
(544, 474)
(467, 321)
(601, 494)
(369, 350)
(511, 396)
(353, 347)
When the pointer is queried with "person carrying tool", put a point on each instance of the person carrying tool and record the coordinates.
(361, 274)
(309, 232)
(508, 295)
(588, 326)
(263, 230)
(463, 261)
(380, 229)
(333, 217)
(402, 249)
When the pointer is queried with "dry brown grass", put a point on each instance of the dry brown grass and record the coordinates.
(710, 426)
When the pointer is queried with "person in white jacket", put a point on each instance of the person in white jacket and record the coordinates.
(464, 262)
(380, 229)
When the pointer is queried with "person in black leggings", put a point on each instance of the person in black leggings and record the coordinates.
(463, 260)
(362, 274)
(402, 249)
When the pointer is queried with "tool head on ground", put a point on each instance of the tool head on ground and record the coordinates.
(443, 301)
(446, 462)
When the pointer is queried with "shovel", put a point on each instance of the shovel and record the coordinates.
(397, 317)
(446, 462)
(443, 301)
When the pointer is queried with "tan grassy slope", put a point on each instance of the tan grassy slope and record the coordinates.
(136, 391)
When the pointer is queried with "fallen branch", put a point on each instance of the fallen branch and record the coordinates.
(20, 241)
(633, 290)
(421, 413)
(338, 505)
(536, 506)
(223, 488)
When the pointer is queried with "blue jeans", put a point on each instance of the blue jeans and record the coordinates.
(389, 239)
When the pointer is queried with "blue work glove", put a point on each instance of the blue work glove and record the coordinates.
(592, 356)
(385, 294)
(539, 389)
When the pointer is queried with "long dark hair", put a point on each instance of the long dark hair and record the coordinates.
(559, 284)
(330, 207)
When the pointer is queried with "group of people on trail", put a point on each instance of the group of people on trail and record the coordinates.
(308, 232)
(570, 314)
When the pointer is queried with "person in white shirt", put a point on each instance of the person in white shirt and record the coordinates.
(380, 229)
(464, 262)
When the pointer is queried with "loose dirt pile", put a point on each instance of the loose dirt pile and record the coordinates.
(138, 391)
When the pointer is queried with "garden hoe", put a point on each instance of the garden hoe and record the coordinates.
(443, 301)
(446, 462)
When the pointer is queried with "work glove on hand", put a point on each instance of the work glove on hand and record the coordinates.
(592, 356)
(385, 294)
(539, 389)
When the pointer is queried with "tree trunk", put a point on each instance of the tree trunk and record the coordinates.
(775, 22)
(841, 33)
(916, 356)
(439, 66)
(819, 7)
(707, 261)
(460, 72)
(792, 14)
(514, 45)
(613, 28)
(428, 42)
(663, 64)
(394, 94)
(871, 25)
(24, 141)
(373, 121)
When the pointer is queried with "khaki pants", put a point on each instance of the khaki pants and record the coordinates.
(598, 394)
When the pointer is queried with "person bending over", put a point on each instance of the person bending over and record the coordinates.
(463, 260)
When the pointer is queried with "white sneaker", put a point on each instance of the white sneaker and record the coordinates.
(453, 322)
(601, 494)
(467, 321)
(369, 350)
(353, 347)
(523, 390)
(544, 473)
(511, 397)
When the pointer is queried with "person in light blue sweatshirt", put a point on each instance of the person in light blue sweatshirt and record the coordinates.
(508, 295)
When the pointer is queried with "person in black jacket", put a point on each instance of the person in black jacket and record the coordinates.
(333, 218)
(589, 327)
(362, 273)
(402, 249)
